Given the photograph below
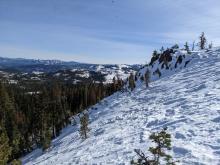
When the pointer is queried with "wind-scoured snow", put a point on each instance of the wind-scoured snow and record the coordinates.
(187, 102)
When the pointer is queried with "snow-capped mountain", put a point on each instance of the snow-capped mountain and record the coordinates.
(184, 95)
(16, 70)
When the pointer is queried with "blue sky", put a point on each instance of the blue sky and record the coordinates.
(103, 31)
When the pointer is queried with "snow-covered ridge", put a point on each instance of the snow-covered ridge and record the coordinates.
(167, 63)
(186, 101)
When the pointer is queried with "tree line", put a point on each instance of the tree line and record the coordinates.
(32, 119)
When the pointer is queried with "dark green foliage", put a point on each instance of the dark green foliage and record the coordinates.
(31, 114)
(16, 162)
(147, 78)
(8, 116)
(210, 45)
(176, 46)
(131, 82)
(162, 49)
(5, 149)
(166, 57)
(84, 121)
(186, 63)
(202, 41)
(46, 140)
(155, 57)
(135, 77)
(157, 71)
(186, 47)
(193, 46)
(162, 140)
(179, 60)
(163, 143)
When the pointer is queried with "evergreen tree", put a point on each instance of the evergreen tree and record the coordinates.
(131, 82)
(162, 141)
(176, 46)
(84, 121)
(202, 41)
(46, 141)
(162, 49)
(193, 46)
(16, 162)
(210, 45)
(163, 144)
(8, 113)
(114, 83)
(33, 119)
(186, 47)
(155, 54)
(5, 149)
(16, 140)
(147, 78)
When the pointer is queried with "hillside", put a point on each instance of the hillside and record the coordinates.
(184, 98)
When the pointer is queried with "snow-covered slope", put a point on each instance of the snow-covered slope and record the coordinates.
(187, 102)
(168, 63)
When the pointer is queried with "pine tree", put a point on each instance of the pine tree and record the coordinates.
(147, 78)
(34, 119)
(210, 45)
(46, 141)
(8, 120)
(84, 121)
(5, 149)
(202, 41)
(176, 46)
(155, 54)
(16, 143)
(162, 49)
(162, 140)
(114, 83)
(163, 143)
(187, 47)
(193, 46)
(131, 82)
(16, 162)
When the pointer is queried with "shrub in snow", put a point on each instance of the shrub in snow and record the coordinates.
(202, 41)
(84, 121)
(154, 58)
(131, 82)
(178, 61)
(210, 45)
(147, 78)
(186, 47)
(159, 154)
(176, 46)
(157, 72)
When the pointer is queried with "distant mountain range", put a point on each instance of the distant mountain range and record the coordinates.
(19, 69)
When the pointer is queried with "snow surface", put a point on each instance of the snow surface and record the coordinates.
(84, 74)
(37, 72)
(187, 102)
